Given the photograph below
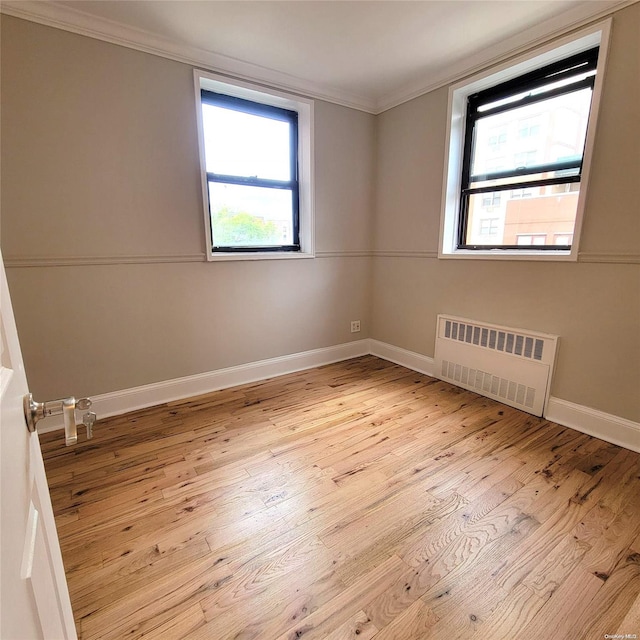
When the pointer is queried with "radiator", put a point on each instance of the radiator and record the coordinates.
(513, 366)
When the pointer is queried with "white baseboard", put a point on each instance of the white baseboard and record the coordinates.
(409, 359)
(606, 426)
(619, 431)
(119, 402)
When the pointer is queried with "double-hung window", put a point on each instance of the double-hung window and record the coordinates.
(255, 157)
(545, 112)
(251, 153)
(520, 139)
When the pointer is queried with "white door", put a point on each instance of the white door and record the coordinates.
(34, 598)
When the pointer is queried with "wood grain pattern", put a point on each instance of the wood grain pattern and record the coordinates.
(356, 500)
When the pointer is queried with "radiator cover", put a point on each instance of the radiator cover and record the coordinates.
(513, 366)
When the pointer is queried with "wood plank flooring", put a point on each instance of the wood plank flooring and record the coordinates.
(356, 500)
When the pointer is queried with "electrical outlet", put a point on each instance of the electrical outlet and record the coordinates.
(355, 326)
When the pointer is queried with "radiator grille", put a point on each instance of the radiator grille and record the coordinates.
(496, 339)
(490, 384)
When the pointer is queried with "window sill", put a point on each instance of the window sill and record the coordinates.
(259, 255)
(502, 254)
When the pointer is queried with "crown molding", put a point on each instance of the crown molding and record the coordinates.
(79, 22)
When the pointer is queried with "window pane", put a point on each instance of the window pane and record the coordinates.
(538, 91)
(244, 144)
(544, 132)
(247, 216)
(529, 177)
(531, 216)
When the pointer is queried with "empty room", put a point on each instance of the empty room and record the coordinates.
(320, 320)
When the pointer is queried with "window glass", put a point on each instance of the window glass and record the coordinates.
(557, 134)
(247, 216)
(251, 173)
(245, 144)
(523, 157)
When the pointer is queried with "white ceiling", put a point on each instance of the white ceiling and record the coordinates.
(370, 55)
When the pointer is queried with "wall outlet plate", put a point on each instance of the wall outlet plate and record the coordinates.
(355, 326)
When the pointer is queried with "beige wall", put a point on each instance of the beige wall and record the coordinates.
(100, 159)
(594, 307)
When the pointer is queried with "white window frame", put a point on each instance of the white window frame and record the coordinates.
(595, 35)
(304, 108)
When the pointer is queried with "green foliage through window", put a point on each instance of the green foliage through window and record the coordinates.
(239, 228)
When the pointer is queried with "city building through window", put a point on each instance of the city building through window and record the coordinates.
(489, 226)
(543, 116)
(519, 145)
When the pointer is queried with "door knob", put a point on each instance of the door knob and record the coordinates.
(35, 411)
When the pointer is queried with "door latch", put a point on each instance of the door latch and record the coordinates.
(35, 411)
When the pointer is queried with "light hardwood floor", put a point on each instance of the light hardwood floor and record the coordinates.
(357, 500)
